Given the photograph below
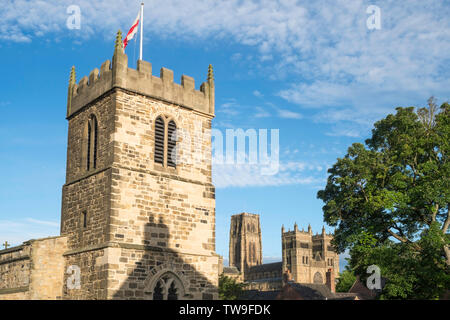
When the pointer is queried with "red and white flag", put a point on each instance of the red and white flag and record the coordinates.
(133, 31)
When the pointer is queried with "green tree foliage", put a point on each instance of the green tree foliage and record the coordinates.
(346, 280)
(229, 289)
(389, 201)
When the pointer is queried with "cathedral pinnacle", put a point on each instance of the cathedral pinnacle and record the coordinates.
(210, 73)
(73, 76)
(119, 43)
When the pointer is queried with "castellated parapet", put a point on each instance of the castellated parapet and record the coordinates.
(141, 81)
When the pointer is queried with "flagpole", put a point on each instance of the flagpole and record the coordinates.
(142, 29)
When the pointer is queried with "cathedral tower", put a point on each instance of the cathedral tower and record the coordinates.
(308, 257)
(245, 241)
(138, 205)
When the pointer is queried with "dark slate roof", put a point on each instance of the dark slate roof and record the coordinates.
(313, 291)
(230, 270)
(278, 279)
(363, 292)
(345, 296)
(259, 295)
(267, 267)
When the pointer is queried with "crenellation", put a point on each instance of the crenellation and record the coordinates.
(140, 80)
(93, 76)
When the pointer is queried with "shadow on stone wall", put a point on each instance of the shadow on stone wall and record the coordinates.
(159, 273)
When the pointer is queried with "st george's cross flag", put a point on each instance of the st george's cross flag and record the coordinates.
(132, 31)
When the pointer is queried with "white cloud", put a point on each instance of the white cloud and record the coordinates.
(248, 175)
(287, 114)
(43, 222)
(261, 113)
(323, 48)
(258, 94)
(231, 107)
(18, 231)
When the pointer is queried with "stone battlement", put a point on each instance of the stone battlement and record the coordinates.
(302, 232)
(118, 75)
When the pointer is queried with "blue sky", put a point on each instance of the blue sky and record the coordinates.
(311, 69)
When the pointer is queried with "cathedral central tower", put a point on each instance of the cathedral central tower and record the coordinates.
(245, 241)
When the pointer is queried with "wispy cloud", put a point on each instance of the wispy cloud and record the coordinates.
(261, 113)
(287, 114)
(250, 175)
(322, 49)
(258, 94)
(43, 222)
(20, 230)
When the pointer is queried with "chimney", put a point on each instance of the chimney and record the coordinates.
(331, 284)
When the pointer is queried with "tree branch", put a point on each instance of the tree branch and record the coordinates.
(447, 254)
(446, 223)
(435, 211)
(396, 236)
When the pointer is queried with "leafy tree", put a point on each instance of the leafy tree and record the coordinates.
(389, 202)
(346, 279)
(229, 289)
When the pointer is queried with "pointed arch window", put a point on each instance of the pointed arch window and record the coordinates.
(168, 287)
(159, 140)
(165, 142)
(171, 144)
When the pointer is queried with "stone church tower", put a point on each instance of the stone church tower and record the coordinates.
(308, 257)
(139, 224)
(245, 241)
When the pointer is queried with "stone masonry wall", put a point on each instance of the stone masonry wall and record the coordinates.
(90, 195)
(33, 270)
(15, 270)
(93, 274)
(133, 270)
(103, 109)
(47, 274)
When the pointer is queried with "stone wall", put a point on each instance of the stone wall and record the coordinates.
(15, 270)
(33, 270)
(93, 273)
(135, 268)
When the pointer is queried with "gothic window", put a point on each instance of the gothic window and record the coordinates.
(165, 142)
(171, 144)
(318, 279)
(159, 140)
(90, 144)
(158, 292)
(172, 292)
(168, 287)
